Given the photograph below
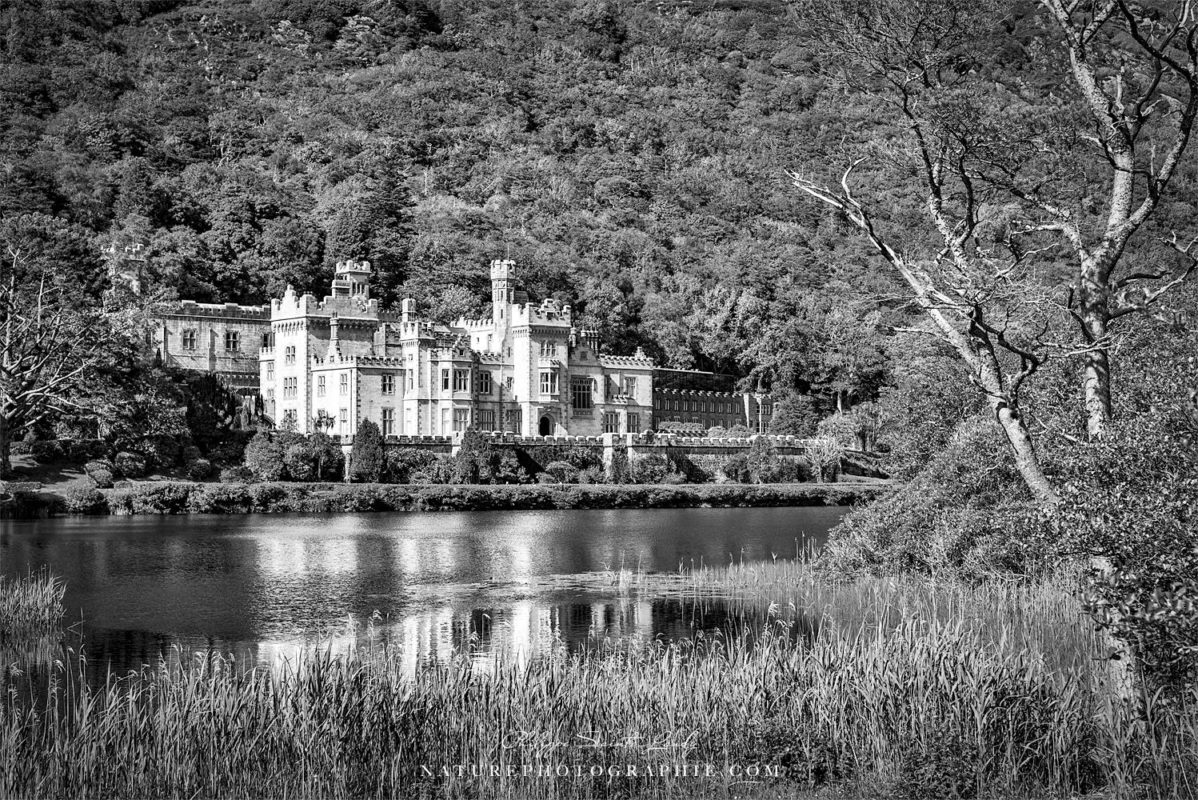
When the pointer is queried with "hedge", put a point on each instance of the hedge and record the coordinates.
(234, 498)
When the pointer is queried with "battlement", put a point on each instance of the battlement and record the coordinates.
(638, 359)
(699, 394)
(549, 312)
(474, 325)
(291, 305)
(190, 308)
(502, 269)
(339, 360)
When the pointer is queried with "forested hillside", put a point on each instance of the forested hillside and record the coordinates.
(630, 156)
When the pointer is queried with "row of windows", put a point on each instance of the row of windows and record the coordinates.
(696, 405)
(611, 422)
(190, 341)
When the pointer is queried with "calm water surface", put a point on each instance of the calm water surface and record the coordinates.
(484, 583)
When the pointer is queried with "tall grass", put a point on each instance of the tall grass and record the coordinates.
(937, 692)
(30, 606)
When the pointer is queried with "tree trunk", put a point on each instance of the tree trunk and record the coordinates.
(1026, 460)
(1096, 376)
(5, 450)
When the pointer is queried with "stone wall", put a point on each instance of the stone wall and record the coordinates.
(707, 454)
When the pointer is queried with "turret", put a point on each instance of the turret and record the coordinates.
(352, 279)
(501, 288)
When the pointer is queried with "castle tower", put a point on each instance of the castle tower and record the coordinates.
(352, 279)
(502, 292)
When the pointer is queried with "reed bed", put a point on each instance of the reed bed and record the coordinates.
(950, 692)
(30, 606)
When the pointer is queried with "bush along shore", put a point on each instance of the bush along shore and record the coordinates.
(234, 498)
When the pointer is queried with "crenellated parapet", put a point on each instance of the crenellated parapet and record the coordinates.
(638, 360)
(190, 308)
(345, 306)
(549, 312)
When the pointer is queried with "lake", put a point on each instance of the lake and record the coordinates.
(434, 584)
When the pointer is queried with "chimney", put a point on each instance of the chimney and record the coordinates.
(334, 339)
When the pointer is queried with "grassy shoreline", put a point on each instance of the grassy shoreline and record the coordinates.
(912, 688)
(234, 498)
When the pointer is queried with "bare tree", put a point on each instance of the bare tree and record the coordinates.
(47, 350)
(980, 295)
(1135, 68)
(967, 293)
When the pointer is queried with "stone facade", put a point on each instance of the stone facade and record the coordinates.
(328, 364)
(332, 363)
(206, 337)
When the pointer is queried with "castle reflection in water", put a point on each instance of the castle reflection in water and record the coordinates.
(480, 584)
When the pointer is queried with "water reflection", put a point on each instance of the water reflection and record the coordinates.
(484, 584)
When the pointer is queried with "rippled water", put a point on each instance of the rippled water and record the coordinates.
(483, 583)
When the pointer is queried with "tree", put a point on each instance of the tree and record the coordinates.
(366, 459)
(265, 457)
(1135, 70)
(53, 338)
(974, 292)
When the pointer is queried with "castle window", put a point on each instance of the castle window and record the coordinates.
(634, 423)
(388, 421)
(289, 355)
(266, 341)
(289, 419)
(580, 394)
(461, 419)
(484, 383)
(388, 384)
(344, 383)
(270, 371)
(509, 382)
(320, 386)
(548, 349)
(461, 380)
(611, 422)
(344, 419)
(549, 382)
(232, 341)
(189, 340)
(486, 419)
(411, 379)
(629, 387)
(445, 380)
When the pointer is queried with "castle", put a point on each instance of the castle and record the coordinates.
(330, 364)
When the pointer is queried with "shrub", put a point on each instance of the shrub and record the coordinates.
(200, 469)
(230, 451)
(161, 452)
(100, 471)
(269, 497)
(366, 457)
(326, 455)
(46, 452)
(159, 498)
(591, 475)
(82, 497)
(236, 475)
(561, 471)
(220, 498)
(736, 469)
(403, 461)
(652, 468)
(299, 461)
(717, 432)
(130, 465)
(620, 470)
(265, 457)
(191, 453)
